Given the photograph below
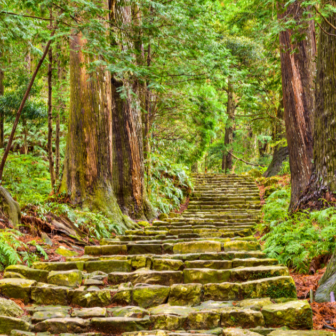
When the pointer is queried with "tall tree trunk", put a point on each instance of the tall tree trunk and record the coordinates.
(228, 140)
(50, 130)
(2, 117)
(323, 180)
(128, 153)
(88, 164)
(298, 71)
(280, 152)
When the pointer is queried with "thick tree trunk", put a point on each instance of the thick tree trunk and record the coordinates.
(298, 71)
(50, 129)
(128, 146)
(88, 164)
(323, 180)
(228, 140)
(2, 92)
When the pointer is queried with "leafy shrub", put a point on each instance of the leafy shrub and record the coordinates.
(13, 251)
(166, 183)
(295, 240)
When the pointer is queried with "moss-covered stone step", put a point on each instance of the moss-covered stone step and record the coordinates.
(202, 276)
(207, 316)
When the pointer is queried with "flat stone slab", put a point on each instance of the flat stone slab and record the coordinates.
(118, 325)
(197, 247)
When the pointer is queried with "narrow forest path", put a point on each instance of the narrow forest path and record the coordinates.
(202, 272)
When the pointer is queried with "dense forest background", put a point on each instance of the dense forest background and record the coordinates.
(126, 99)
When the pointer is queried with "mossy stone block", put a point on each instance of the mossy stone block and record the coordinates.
(197, 247)
(294, 314)
(122, 297)
(244, 318)
(7, 324)
(167, 265)
(88, 299)
(205, 276)
(9, 308)
(150, 296)
(63, 325)
(29, 273)
(65, 278)
(167, 322)
(108, 266)
(50, 295)
(17, 288)
(224, 291)
(203, 320)
(277, 287)
(185, 295)
(119, 325)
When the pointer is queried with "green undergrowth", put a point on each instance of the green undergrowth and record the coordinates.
(13, 251)
(168, 184)
(297, 239)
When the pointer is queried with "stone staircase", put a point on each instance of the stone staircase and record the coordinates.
(200, 273)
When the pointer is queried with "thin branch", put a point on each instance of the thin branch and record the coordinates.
(324, 30)
(329, 23)
(248, 163)
(18, 114)
(27, 16)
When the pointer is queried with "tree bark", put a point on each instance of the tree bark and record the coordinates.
(128, 152)
(2, 119)
(323, 180)
(228, 140)
(298, 71)
(50, 129)
(88, 164)
(280, 152)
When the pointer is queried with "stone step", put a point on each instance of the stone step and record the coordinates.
(208, 318)
(168, 226)
(202, 276)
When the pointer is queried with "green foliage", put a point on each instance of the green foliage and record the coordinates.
(13, 251)
(168, 183)
(295, 240)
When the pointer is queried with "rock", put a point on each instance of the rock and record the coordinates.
(167, 265)
(118, 325)
(46, 239)
(238, 332)
(128, 311)
(105, 250)
(108, 266)
(246, 318)
(48, 295)
(167, 309)
(40, 316)
(144, 224)
(13, 275)
(122, 297)
(163, 216)
(258, 272)
(205, 276)
(165, 278)
(10, 308)
(278, 287)
(301, 333)
(99, 298)
(185, 295)
(293, 314)
(63, 325)
(255, 173)
(141, 262)
(65, 252)
(10, 207)
(174, 215)
(197, 247)
(29, 273)
(237, 245)
(65, 278)
(89, 312)
(147, 333)
(222, 291)
(255, 304)
(203, 320)
(150, 296)
(324, 290)
(21, 333)
(17, 288)
(7, 324)
(59, 266)
(167, 322)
